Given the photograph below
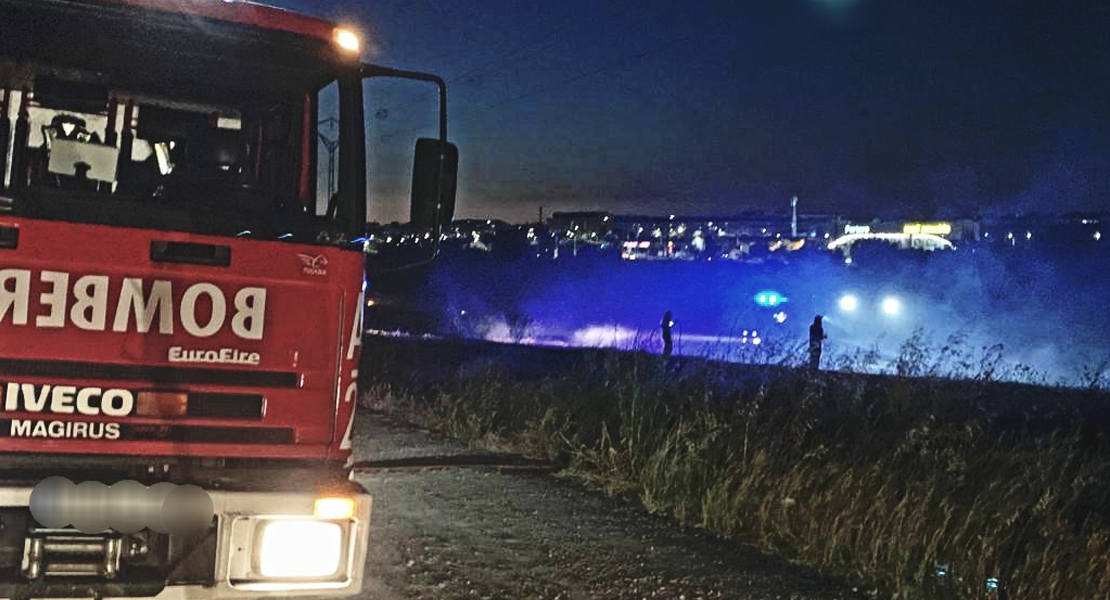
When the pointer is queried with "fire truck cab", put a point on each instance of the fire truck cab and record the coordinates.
(183, 201)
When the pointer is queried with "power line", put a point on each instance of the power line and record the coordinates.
(619, 63)
(614, 66)
(441, 17)
(478, 70)
(512, 58)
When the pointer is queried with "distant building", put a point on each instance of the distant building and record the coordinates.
(960, 230)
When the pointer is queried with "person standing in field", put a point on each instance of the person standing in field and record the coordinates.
(666, 324)
(816, 337)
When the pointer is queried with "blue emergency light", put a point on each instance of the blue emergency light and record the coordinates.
(770, 298)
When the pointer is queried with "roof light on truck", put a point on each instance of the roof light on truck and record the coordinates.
(347, 40)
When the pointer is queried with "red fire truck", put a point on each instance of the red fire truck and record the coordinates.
(181, 280)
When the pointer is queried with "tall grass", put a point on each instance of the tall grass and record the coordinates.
(922, 487)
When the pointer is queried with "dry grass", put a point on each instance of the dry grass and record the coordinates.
(925, 488)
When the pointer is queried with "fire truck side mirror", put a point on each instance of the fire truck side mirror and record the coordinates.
(435, 174)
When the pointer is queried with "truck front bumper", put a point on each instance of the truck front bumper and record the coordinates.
(261, 545)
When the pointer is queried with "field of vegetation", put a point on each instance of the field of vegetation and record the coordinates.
(919, 487)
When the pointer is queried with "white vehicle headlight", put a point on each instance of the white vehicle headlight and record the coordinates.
(296, 548)
(891, 306)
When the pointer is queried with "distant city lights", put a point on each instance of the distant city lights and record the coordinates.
(665, 237)
(848, 303)
(780, 316)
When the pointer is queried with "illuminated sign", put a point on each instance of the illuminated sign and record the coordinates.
(927, 228)
(850, 229)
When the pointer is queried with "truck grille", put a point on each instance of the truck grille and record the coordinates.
(196, 434)
(225, 406)
(163, 375)
(203, 434)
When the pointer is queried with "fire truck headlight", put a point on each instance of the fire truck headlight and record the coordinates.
(300, 549)
(347, 40)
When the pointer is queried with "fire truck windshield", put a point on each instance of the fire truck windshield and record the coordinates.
(156, 120)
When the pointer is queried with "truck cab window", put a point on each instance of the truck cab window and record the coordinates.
(92, 141)
(327, 149)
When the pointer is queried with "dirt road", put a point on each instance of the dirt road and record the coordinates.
(467, 531)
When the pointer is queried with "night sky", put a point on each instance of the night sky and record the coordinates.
(931, 108)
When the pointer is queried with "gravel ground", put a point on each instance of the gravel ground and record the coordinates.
(508, 533)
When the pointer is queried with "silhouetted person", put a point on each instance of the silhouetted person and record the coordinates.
(666, 324)
(816, 337)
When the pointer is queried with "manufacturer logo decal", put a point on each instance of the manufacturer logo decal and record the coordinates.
(223, 356)
(67, 399)
(64, 400)
(314, 265)
(78, 430)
